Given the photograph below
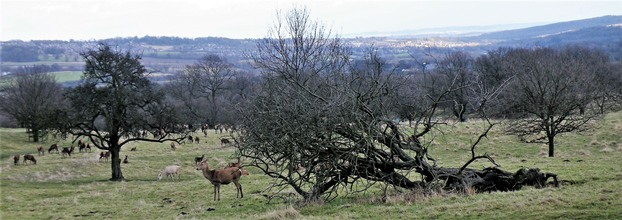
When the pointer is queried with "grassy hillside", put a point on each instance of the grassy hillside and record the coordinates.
(77, 187)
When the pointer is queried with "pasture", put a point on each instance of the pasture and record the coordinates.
(77, 187)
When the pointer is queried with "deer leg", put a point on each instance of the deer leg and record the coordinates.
(215, 192)
(218, 192)
(239, 187)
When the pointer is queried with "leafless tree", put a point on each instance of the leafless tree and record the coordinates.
(32, 98)
(322, 126)
(456, 69)
(204, 84)
(551, 92)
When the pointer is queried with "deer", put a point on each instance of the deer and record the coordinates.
(104, 155)
(81, 146)
(224, 141)
(41, 151)
(239, 166)
(126, 160)
(173, 146)
(190, 138)
(170, 171)
(53, 147)
(28, 157)
(222, 176)
(16, 159)
(67, 151)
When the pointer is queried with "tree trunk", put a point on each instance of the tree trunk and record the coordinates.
(551, 138)
(460, 112)
(35, 135)
(117, 175)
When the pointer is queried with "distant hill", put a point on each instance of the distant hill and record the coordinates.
(444, 31)
(552, 29)
(169, 55)
(603, 33)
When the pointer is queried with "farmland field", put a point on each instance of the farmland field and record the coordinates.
(78, 187)
(67, 76)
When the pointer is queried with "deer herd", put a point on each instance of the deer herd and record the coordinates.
(217, 177)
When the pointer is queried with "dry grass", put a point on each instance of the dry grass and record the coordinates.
(287, 213)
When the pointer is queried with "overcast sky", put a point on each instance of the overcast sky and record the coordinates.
(99, 19)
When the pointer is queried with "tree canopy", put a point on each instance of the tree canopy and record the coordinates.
(33, 99)
(117, 104)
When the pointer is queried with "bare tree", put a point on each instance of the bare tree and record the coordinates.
(117, 102)
(456, 68)
(204, 83)
(322, 126)
(551, 92)
(608, 80)
(32, 98)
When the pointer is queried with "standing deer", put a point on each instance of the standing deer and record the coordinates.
(222, 176)
(41, 151)
(16, 159)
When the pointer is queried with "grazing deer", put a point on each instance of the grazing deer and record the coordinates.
(222, 177)
(170, 171)
(53, 147)
(133, 149)
(67, 151)
(28, 157)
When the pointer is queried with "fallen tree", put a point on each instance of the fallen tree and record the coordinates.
(322, 124)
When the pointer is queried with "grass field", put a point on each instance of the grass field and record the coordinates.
(67, 76)
(78, 187)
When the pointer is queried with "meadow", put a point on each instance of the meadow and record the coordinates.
(77, 187)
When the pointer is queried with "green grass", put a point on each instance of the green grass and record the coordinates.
(67, 76)
(78, 187)
(61, 77)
